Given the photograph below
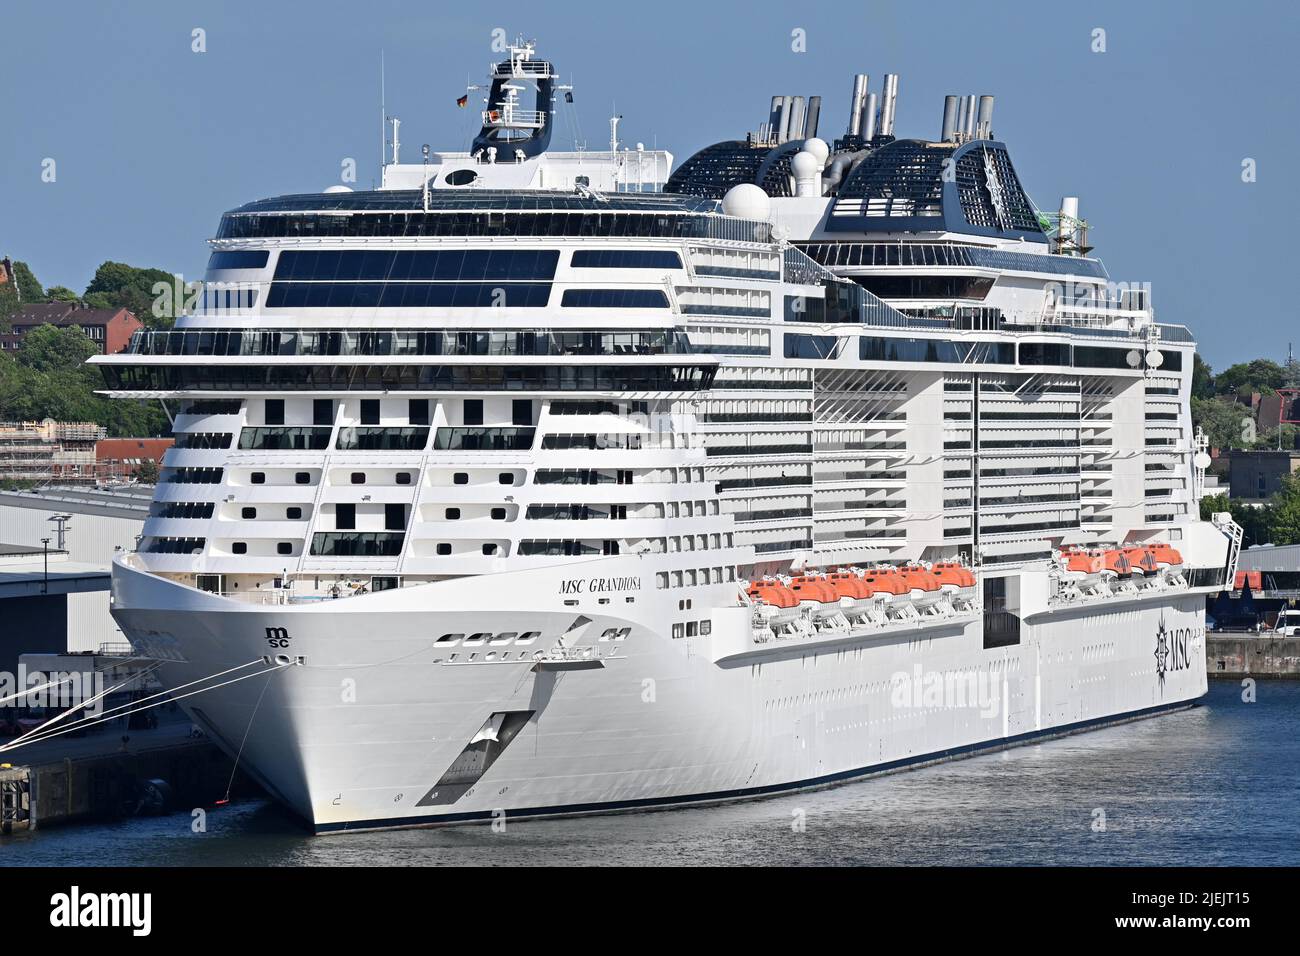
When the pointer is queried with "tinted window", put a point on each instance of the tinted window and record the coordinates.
(345, 517)
(248, 513)
(473, 411)
(274, 411)
(614, 299)
(625, 259)
(370, 411)
(244, 259)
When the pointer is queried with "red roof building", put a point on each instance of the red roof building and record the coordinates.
(120, 457)
(110, 329)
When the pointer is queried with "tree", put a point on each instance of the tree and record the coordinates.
(49, 348)
(117, 285)
(1285, 512)
(1258, 375)
(21, 289)
(49, 379)
(61, 293)
(1202, 378)
(146, 472)
(1227, 424)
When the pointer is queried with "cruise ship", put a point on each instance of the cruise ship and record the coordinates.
(535, 482)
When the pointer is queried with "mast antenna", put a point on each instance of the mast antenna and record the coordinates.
(383, 115)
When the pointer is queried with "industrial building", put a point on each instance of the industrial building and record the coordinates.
(79, 530)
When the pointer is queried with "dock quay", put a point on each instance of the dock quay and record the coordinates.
(111, 775)
(1233, 655)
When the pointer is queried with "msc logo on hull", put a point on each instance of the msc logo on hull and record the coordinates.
(1173, 649)
(277, 637)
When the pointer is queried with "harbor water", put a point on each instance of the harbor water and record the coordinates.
(1218, 784)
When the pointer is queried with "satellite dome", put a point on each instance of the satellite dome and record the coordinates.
(338, 189)
(805, 165)
(746, 201)
(818, 148)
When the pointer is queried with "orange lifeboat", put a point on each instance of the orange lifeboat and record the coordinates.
(849, 585)
(1116, 562)
(1166, 555)
(817, 592)
(1085, 562)
(953, 574)
(774, 593)
(1142, 559)
(886, 581)
(854, 592)
(919, 579)
(1253, 579)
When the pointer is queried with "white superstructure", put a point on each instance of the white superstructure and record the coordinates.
(513, 487)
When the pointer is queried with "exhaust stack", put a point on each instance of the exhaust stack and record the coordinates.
(810, 120)
(857, 103)
(796, 119)
(783, 121)
(949, 130)
(888, 104)
(869, 116)
(984, 125)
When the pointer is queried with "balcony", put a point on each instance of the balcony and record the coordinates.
(516, 438)
(381, 438)
(285, 438)
(359, 544)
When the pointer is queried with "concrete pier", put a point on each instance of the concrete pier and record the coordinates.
(101, 778)
(1237, 655)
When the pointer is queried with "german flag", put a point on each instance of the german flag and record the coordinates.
(463, 101)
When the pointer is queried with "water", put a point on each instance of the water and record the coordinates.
(1216, 785)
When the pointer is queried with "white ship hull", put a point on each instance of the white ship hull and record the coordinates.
(359, 734)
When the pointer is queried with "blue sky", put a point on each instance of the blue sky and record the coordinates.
(153, 141)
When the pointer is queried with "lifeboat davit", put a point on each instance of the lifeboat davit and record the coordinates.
(815, 591)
